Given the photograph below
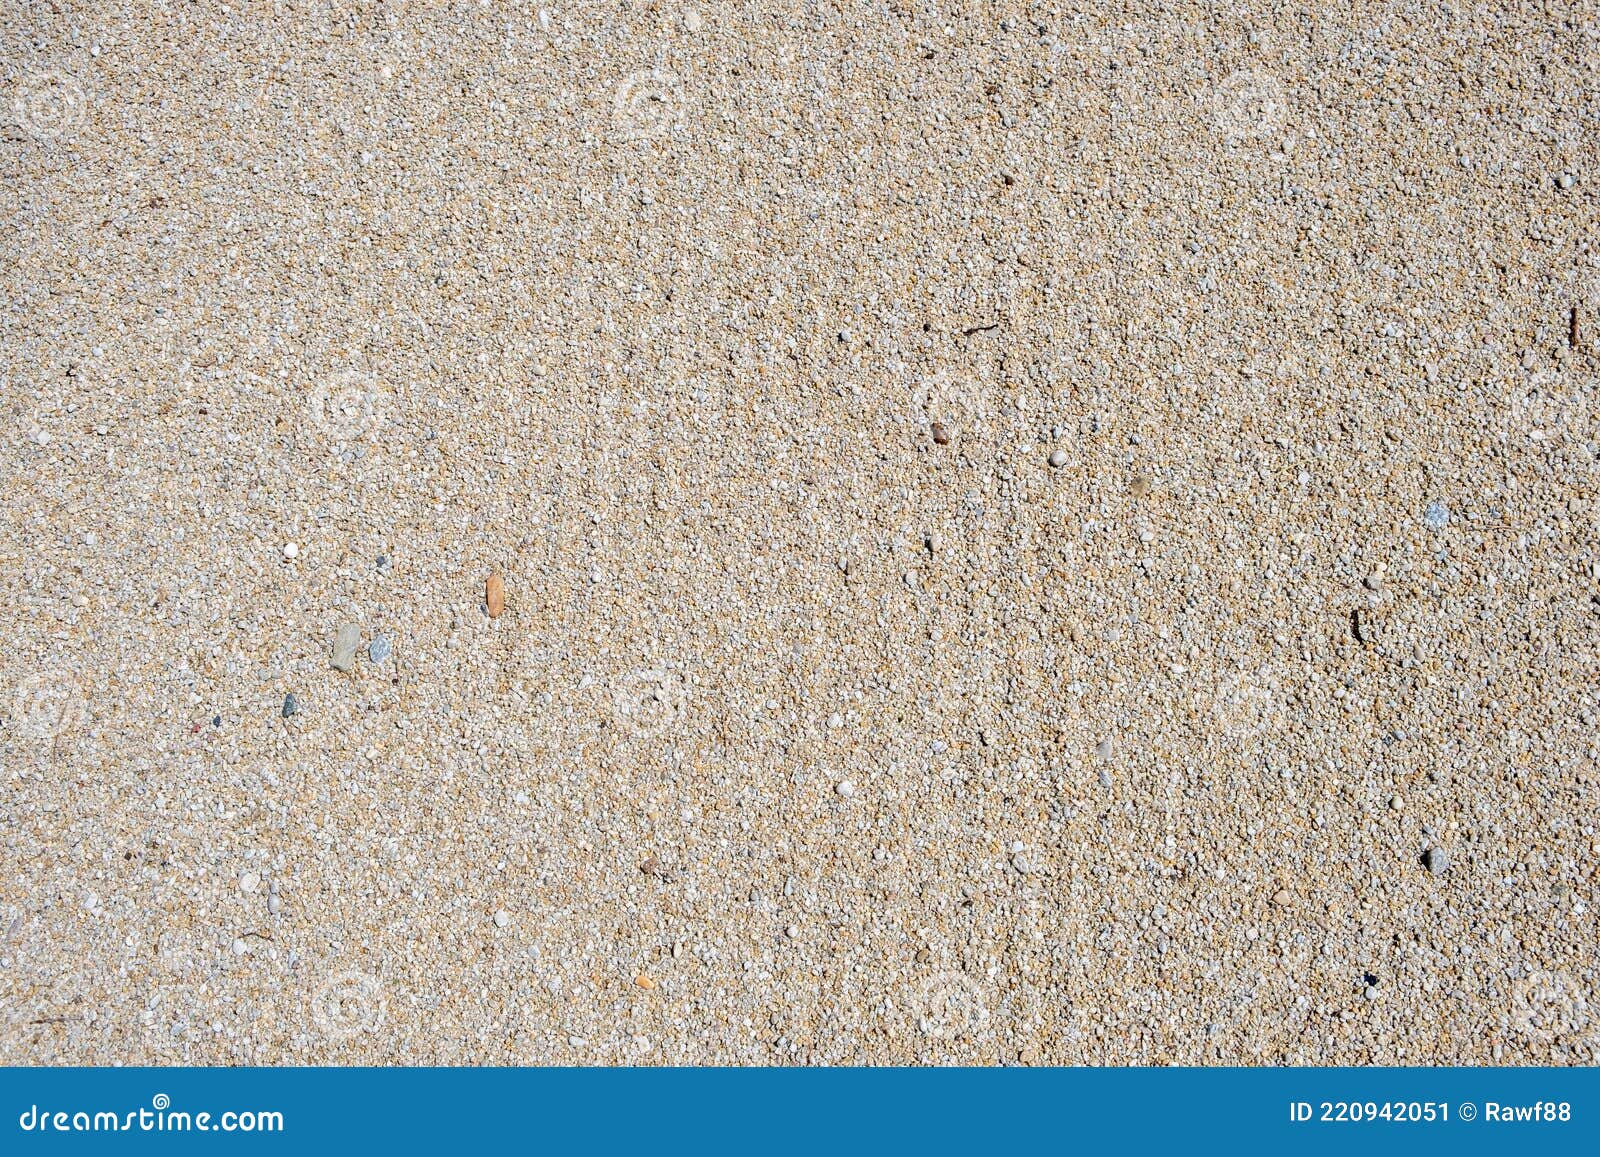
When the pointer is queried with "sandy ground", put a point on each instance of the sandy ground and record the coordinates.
(1029, 534)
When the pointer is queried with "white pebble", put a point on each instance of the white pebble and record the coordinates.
(291, 550)
(239, 947)
(249, 882)
(845, 787)
(792, 931)
(1058, 458)
(502, 918)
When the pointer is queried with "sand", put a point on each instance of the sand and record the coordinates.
(1029, 534)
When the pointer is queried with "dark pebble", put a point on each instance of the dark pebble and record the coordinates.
(291, 705)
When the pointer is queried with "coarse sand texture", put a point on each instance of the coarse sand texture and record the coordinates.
(828, 532)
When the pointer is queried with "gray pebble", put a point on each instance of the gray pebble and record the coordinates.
(378, 650)
(1436, 860)
(344, 646)
(1103, 749)
(1437, 516)
(291, 705)
(1105, 778)
(1058, 458)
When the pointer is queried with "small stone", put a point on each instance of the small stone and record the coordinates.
(692, 21)
(644, 982)
(344, 647)
(249, 882)
(941, 436)
(835, 721)
(1141, 485)
(1437, 516)
(273, 904)
(1436, 860)
(494, 595)
(1102, 750)
(1564, 181)
(239, 947)
(1373, 581)
(792, 931)
(845, 787)
(1058, 458)
(291, 550)
(1396, 803)
(1105, 779)
(378, 650)
(291, 705)
(1281, 897)
(502, 918)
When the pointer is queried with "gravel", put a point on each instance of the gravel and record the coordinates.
(699, 337)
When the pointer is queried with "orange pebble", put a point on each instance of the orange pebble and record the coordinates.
(494, 593)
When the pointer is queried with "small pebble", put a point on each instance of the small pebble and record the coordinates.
(291, 705)
(1058, 458)
(1373, 581)
(1102, 749)
(502, 918)
(845, 787)
(344, 646)
(1140, 486)
(1436, 860)
(940, 435)
(378, 650)
(291, 550)
(239, 947)
(792, 931)
(1437, 516)
(644, 982)
(494, 595)
(1396, 803)
(249, 882)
